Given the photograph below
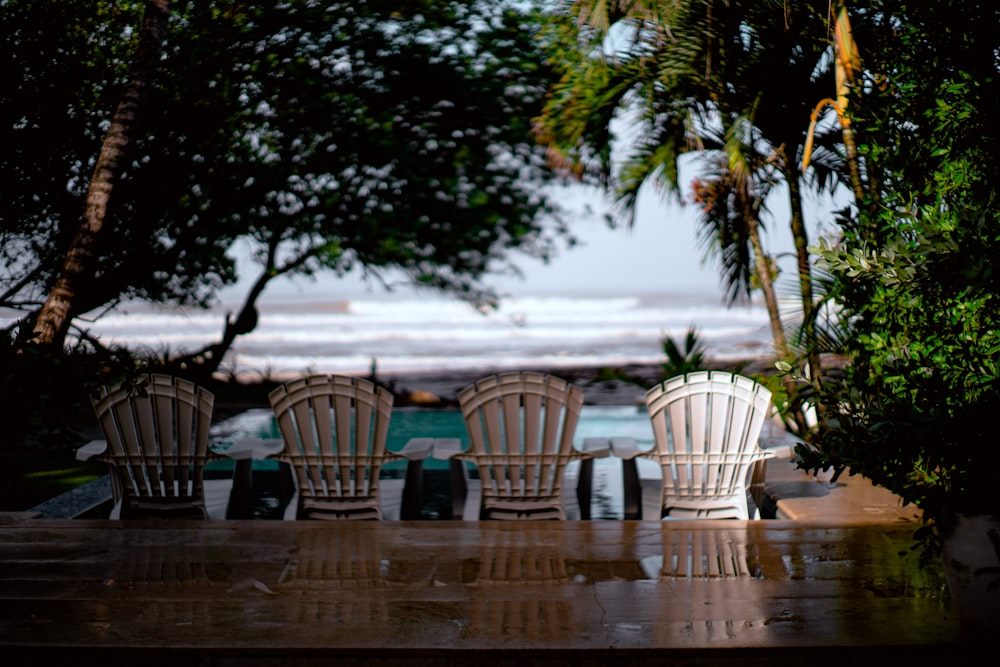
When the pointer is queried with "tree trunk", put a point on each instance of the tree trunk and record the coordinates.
(57, 313)
(851, 155)
(763, 268)
(801, 239)
(206, 361)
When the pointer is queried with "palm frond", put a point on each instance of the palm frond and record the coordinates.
(829, 330)
(681, 361)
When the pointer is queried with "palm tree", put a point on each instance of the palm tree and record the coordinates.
(731, 194)
(734, 81)
(56, 314)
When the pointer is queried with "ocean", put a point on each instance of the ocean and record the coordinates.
(419, 333)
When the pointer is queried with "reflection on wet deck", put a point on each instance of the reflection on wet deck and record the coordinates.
(417, 591)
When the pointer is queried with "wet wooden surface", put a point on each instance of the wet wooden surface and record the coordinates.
(431, 591)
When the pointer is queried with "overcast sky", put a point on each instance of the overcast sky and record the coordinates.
(659, 254)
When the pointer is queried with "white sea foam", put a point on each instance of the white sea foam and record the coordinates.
(419, 334)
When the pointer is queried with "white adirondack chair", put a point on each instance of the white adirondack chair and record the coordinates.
(333, 429)
(521, 427)
(157, 444)
(706, 427)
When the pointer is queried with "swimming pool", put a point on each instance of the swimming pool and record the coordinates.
(406, 423)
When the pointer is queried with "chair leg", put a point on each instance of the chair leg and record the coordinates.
(241, 496)
(117, 491)
(758, 475)
(286, 484)
(117, 484)
(413, 492)
(632, 490)
(459, 490)
(584, 485)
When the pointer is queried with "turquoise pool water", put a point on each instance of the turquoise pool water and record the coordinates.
(406, 423)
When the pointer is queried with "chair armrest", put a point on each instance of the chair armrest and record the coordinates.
(771, 450)
(417, 449)
(625, 448)
(255, 449)
(596, 448)
(447, 448)
(94, 448)
(450, 449)
(782, 448)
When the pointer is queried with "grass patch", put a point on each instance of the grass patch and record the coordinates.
(30, 478)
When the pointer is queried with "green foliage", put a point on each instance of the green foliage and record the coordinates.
(331, 136)
(45, 399)
(918, 272)
(26, 481)
(779, 392)
(45, 407)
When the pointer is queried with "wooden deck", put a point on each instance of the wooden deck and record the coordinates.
(452, 592)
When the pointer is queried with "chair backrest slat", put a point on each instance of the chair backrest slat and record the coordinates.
(175, 425)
